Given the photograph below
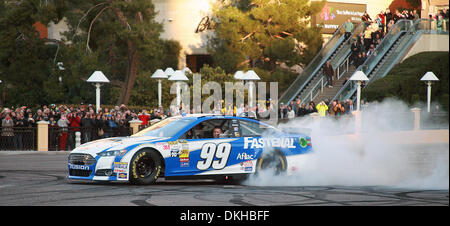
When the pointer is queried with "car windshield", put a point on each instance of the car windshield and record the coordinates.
(166, 128)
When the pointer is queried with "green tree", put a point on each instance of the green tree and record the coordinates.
(264, 33)
(403, 81)
(122, 38)
(27, 68)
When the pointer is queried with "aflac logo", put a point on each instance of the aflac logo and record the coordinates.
(327, 13)
(244, 156)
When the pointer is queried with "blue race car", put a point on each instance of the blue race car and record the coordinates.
(191, 146)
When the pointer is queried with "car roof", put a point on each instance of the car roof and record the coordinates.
(211, 116)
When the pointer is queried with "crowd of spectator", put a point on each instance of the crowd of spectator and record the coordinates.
(334, 108)
(441, 18)
(64, 121)
(367, 41)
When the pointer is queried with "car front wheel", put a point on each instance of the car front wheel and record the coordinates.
(145, 167)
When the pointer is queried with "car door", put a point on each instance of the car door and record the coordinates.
(253, 143)
(198, 152)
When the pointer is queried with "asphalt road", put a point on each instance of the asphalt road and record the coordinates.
(39, 179)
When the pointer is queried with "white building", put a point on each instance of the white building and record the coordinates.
(181, 18)
(186, 22)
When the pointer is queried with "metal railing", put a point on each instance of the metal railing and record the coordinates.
(311, 69)
(63, 138)
(413, 32)
(431, 26)
(340, 61)
(25, 138)
(18, 138)
(396, 32)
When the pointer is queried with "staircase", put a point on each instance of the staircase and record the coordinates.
(387, 60)
(329, 93)
(306, 85)
(306, 91)
(390, 59)
(383, 58)
(311, 86)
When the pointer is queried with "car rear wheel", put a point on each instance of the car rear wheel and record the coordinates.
(145, 167)
(273, 161)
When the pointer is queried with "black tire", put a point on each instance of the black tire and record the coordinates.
(274, 160)
(145, 167)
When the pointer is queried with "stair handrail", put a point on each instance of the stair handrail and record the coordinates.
(366, 67)
(311, 77)
(416, 30)
(322, 81)
(324, 51)
(427, 25)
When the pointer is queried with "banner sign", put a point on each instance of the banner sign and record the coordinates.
(334, 14)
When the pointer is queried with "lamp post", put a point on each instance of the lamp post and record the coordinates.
(186, 70)
(98, 78)
(429, 77)
(178, 76)
(60, 68)
(159, 74)
(1, 97)
(238, 75)
(169, 71)
(358, 76)
(250, 76)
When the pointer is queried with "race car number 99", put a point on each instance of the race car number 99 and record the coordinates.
(209, 150)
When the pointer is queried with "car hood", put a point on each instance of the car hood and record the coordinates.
(115, 143)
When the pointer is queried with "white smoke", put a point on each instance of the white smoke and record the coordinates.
(372, 158)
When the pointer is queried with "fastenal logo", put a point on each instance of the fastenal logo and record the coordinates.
(250, 142)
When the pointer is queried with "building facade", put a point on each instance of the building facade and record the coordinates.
(432, 7)
(187, 21)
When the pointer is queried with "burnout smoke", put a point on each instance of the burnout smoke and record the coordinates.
(375, 157)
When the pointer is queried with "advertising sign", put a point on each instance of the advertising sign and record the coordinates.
(335, 14)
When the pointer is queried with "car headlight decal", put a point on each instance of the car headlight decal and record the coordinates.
(112, 153)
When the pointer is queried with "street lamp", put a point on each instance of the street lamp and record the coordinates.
(178, 76)
(169, 72)
(60, 68)
(1, 93)
(238, 75)
(186, 70)
(98, 78)
(358, 76)
(250, 76)
(429, 77)
(159, 74)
